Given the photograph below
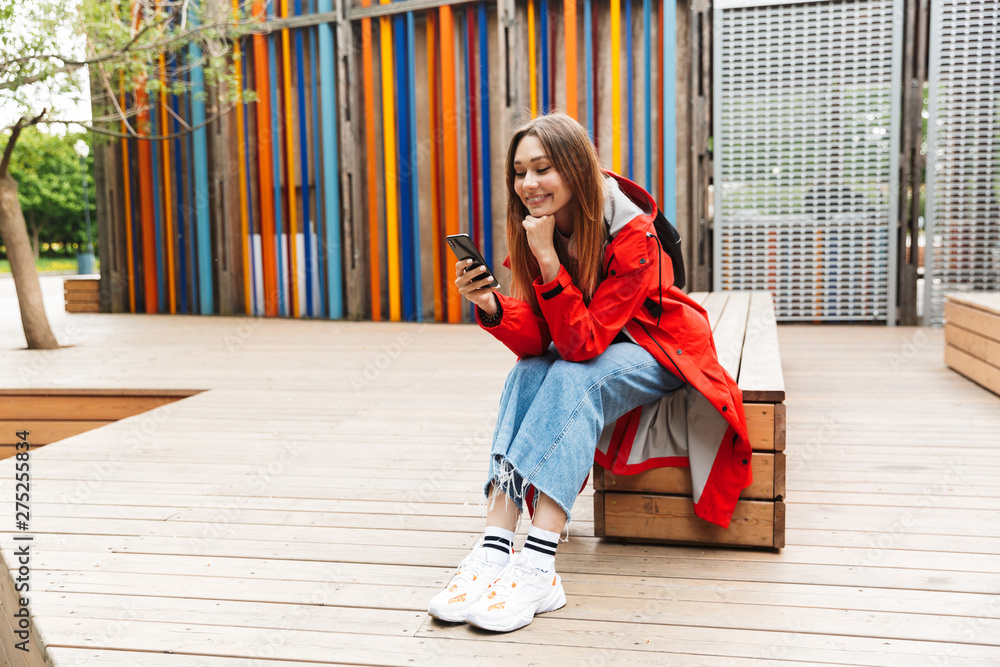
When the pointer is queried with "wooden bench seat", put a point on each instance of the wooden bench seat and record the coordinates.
(972, 336)
(656, 505)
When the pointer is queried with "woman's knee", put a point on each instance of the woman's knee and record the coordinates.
(531, 368)
(571, 377)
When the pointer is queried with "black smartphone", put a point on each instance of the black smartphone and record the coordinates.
(464, 248)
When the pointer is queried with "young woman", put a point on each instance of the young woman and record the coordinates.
(615, 365)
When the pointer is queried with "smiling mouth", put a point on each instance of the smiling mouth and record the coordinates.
(536, 199)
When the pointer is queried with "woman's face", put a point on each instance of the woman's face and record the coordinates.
(536, 181)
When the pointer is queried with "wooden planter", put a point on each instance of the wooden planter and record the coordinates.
(83, 295)
(972, 337)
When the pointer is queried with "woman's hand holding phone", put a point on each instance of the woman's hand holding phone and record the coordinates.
(475, 284)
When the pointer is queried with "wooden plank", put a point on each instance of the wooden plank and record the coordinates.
(598, 475)
(3, 658)
(76, 408)
(315, 647)
(6, 451)
(597, 601)
(83, 308)
(112, 658)
(82, 297)
(600, 529)
(760, 425)
(730, 331)
(973, 344)
(976, 320)
(779, 477)
(45, 432)
(672, 518)
(779, 427)
(985, 301)
(982, 374)
(85, 285)
(660, 644)
(779, 525)
(760, 372)
(9, 606)
(97, 391)
(677, 481)
(715, 304)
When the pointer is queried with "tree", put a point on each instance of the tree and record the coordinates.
(122, 41)
(47, 170)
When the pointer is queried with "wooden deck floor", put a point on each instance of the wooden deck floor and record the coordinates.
(305, 508)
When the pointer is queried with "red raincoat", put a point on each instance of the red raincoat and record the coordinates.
(701, 426)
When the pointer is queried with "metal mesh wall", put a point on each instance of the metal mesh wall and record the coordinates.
(963, 169)
(805, 118)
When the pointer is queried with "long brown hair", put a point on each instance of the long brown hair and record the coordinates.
(572, 155)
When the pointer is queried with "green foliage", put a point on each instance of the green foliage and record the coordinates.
(50, 185)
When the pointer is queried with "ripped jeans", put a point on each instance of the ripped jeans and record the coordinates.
(552, 413)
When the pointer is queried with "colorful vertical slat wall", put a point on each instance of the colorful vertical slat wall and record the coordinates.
(244, 214)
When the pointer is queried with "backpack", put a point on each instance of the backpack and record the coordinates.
(670, 242)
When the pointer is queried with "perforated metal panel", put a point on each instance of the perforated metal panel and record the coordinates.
(805, 118)
(963, 158)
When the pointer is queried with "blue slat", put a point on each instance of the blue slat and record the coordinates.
(331, 168)
(669, 114)
(182, 302)
(630, 87)
(484, 131)
(588, 48)
(465, 48)
(318, 171)
(405, 167)
(200, 141)
(647, 20)
(418, 301)
(543, 26)
(191, 194)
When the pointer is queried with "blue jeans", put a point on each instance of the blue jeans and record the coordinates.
(552, 413)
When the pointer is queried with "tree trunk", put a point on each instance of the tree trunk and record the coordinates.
(14, 234)
(36, 247)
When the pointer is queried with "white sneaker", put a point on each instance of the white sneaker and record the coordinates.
(520, 592)
(473, 577)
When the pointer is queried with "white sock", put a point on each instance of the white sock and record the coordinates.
(540, 548)
(498, 545)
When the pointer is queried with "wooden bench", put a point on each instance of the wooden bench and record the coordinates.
(83, 295)
(656, 505)
(972, 336)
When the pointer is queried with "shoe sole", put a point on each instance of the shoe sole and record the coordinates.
(458, 618)
(555, 601)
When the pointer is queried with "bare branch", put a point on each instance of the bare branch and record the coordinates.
(88, 125)
(7, 64)
(114, 99)
(21, 123)
(17, 83)
(177, 118)
(160, 45)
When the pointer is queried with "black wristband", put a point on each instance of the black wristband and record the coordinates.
(491, 320)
